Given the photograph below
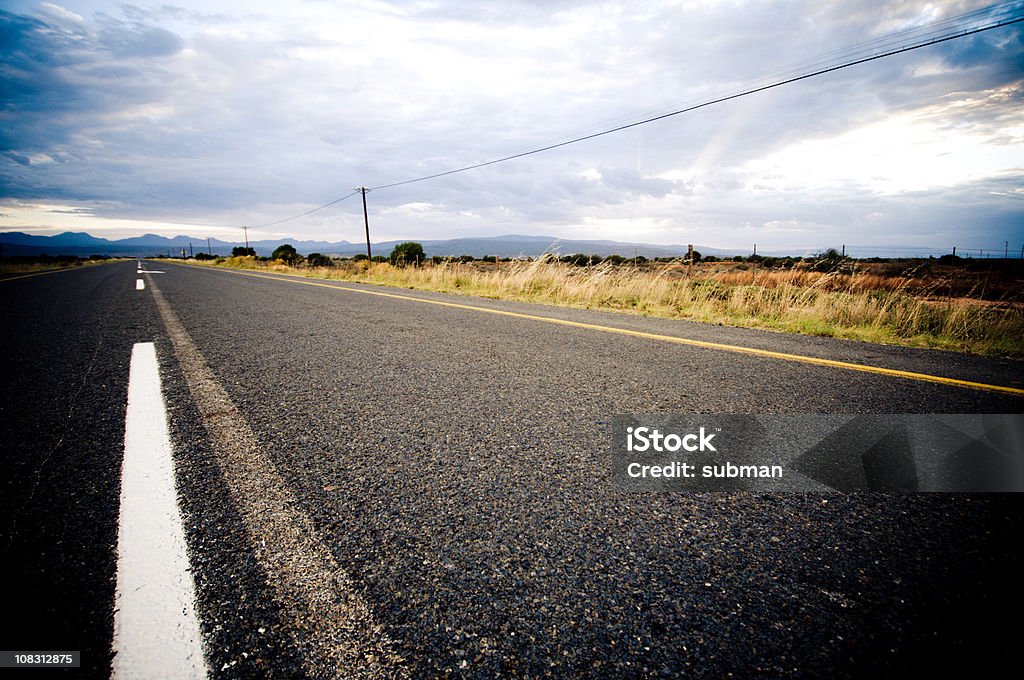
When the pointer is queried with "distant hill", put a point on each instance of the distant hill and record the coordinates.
(149, 245)
(510, 245)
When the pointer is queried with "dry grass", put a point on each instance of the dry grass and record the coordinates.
(904, 310)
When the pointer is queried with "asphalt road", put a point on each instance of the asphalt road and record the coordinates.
(449, 469)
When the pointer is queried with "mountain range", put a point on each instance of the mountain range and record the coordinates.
(149, 245)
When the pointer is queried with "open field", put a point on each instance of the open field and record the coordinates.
(944, 307)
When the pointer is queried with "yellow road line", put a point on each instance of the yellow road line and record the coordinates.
(739, 349)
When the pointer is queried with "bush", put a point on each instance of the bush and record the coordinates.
(241, 251)
(406, 253)
(318, 260)
(378, 258)
(205, 256)
(286, 253)
(581, 260)
(828, 261)
(359, 257)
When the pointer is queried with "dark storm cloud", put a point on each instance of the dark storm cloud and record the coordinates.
(60, 78)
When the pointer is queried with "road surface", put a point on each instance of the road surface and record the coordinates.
(374, 485)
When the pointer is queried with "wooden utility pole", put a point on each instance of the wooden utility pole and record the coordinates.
(246, 230)
(366, 222)
(209, 248)
(689, 257)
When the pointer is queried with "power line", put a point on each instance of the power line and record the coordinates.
(308, 212)
(711, 102)
(888, 41)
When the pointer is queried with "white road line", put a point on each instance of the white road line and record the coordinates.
(332, 625)
(140, 284)
(156, 632)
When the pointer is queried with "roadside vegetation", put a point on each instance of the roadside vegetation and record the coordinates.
(964, 305)
(26, 264)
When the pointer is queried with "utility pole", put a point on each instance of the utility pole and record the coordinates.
(689, 256)
(366, 222)
(755, 250)
(1006, 250)
(954, 251)
(246, 230)
(209, 248)
(190, 251)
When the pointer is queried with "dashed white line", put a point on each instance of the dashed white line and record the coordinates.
(156, 631)
(140, 284)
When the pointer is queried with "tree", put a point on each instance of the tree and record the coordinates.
(828, 261)
(242, 251)
(318, 260)
(409, 252)
(286, 253)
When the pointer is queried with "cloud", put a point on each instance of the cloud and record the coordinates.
(244, 113)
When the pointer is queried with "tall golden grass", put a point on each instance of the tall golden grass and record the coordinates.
(859, 306)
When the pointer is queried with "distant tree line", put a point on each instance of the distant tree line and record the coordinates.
(411, 253)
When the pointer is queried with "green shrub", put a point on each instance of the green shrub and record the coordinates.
(286, 253)
(407, 253)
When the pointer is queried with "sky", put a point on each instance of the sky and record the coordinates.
(120, 119)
